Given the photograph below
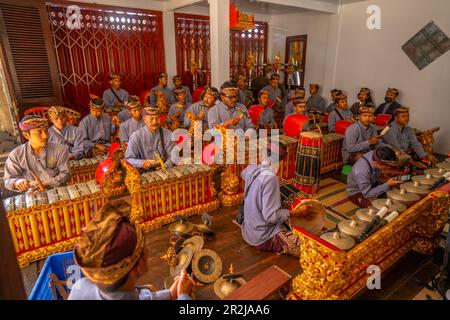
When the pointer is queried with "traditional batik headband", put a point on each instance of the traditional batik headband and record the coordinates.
(32, 122)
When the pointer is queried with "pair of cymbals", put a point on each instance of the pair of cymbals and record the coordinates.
(227, 284)
(189, 247)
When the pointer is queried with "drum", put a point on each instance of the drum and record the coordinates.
(307, 166)
(294, 124)
(295, 200)
(254, 113)
(341, 126)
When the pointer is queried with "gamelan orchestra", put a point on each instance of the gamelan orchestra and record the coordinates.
(208, 184)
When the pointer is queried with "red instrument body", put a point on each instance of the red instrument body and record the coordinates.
(102, 168)
(114, 147)
(196, 95)
(342, 125)
(294, 124)
(307, 167)
(382, 120)
(255, 112)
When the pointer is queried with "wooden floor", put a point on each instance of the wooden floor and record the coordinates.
(396, 283)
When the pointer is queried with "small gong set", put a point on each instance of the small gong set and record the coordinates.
(186, 252)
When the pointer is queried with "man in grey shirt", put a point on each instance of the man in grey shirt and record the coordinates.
(115, 97)
(315, 102)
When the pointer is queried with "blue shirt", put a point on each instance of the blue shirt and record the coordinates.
(220, 113)
(124, 115)
(173, 98)
(110, 99)
(404, 138)
(96, 131)
(166, 91)
(263, 214)
(334, 116)
(274, 93)
(177, 108)
(129, 127)
(316, 103)
(195, 109)
(51, 166)
(69, 136)
(267, 117)
(365, 179)
(357, 139)
(143, 143)
(83, 289)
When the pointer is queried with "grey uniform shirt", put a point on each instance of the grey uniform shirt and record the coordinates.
(274, 93)
(177, 108)
(266, 117)
(195, 109)
(124, 115)
(357, 139)
(316, 103)
(220, 113)
(334, 116)
(83, 289)
(263, 215)
(166, 91)
(365, 179)
(69, 136)
(52, 166)
(128, 128)
(173, 98)
(331, 107)
(405, 139)
(143, 143)
(110, 99)
(289, 108)
(96, 131)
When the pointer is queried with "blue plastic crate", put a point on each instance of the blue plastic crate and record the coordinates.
(64, 267)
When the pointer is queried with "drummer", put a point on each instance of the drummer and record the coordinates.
(360, 137)
(115, 97)
(227, 112)
(264, 219)
(96, 129)
(37, 164)
(340, 113)
(267, 117)
(334, 93)
(150, 142)
(299, 108)
(365, 182)
(112, 255)
(132, 125)
(299, 94)
(403, 137)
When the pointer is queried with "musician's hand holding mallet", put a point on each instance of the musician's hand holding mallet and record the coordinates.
(22, 185)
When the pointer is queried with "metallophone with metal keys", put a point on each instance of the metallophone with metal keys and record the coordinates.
(49, 222)
(83, 170)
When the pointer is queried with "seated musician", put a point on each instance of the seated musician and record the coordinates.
(133, 124)
(315, 102)
(125, 115)
(403, 137)
(177, 110)
(63, 133)
(96, 129)
(366, 181)
(244, 95)
(178, 84)
(364, 100)
(37, 164)
(360, 137)
(115, 97)
(267, 117)
(332, 106)
(340, 113)
(161, 87)
(200, 109)
(276, 96)
(150, 142)
(390, 104)
(112, 255)
(264, 220)
(299, 108)
(227, 112)
(299, 94)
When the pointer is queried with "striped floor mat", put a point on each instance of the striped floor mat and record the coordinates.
(333, 195)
